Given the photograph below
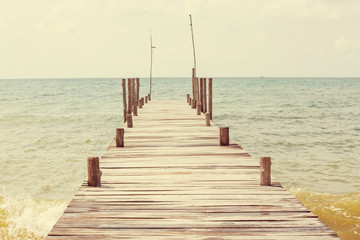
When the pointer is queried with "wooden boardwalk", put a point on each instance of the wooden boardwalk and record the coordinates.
(172, 180)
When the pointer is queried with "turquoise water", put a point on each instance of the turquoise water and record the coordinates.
(310, 128)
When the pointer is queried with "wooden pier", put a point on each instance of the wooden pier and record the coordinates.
(173, 180)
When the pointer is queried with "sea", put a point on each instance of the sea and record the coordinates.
(310, 127)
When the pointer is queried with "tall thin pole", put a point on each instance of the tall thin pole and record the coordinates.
(151, 50)
(192, 36)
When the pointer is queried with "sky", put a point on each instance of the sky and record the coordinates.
(233, 38)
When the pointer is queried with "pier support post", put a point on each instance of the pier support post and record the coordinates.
(134, 110)
(129, 96)
(193, 103)
(137, 90)
(119, 137)
(198, 109)
(189, 102)
(210, 97)
(142, 102)
(146, 99)
(139, 103)
(224, 136)
(265, 171)
(187, 98)
(129, 121)
(201, 100)
(149, 97)
(94, 173)
(124, 98)
(207, 119)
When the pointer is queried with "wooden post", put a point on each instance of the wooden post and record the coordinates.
(137, 90)
(142, 101)
(187, 98)
(198, 109)
(205, 102)
(119, 137)
(189, 102)
(146, 99)
(129, 96)
(224, 136)
(149, 97)
(210, 97)
(124, 97)
(139, 103)
(94, 173)
(201, 101)
(196, 98)
(129, 120)
(265, 171)
(134, 110)
(207, 119)
(193, 83)
(193, 104)
(133, 87)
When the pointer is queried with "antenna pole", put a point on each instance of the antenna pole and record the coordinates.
(192, 35)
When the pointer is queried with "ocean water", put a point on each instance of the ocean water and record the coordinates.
(48, 127)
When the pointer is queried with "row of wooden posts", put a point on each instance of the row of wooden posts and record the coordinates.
(131, 102)
(198, 100)
(201, 101)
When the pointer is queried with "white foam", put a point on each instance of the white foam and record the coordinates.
(25, 215)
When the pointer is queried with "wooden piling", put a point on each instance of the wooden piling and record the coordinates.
(133, 87)
(124, 97)
(201, 100)
(119, 137)
(189, 101)
(224, 136)
(207, 119)
(210, 98)
(198, 109)
(134, 110)
(205, 102)
(193, 104)
(137, 90)
(94, 173)
(265, 171)
(193, 83)
(142, 102)
(129, 121)
(149, 97)
(146, 99)
(139, 103)
(196, 81)
(129, 96)
(187, 98)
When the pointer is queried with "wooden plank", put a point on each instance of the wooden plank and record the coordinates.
(172, 180)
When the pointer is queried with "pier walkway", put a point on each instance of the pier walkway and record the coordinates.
(172, 180)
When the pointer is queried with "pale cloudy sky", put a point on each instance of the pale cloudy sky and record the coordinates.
(240, 38)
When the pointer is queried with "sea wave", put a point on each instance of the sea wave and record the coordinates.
(22, 217)
(341, 212)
